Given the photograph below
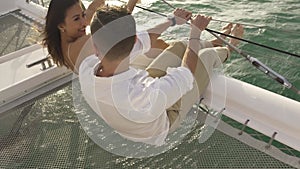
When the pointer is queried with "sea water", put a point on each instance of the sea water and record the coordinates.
(273, 23)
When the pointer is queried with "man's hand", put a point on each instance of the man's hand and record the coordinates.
(200, 22)
(182, 16)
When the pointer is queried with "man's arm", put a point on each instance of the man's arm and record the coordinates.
(181, 16)
(190, 57)
(178, 81)
(157, 45)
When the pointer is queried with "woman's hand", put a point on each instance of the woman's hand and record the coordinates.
(131, 4)
(92, 9)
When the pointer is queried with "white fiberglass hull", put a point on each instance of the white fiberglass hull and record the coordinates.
(18, 80)
(266, 112)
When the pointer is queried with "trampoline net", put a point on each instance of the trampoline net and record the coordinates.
(45, 133)
(17, 32)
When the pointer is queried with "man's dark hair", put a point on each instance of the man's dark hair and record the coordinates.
(114, 31)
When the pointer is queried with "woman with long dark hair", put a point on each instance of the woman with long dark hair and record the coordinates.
(65, 31)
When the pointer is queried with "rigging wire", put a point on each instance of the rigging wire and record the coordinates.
(262, 67)
(251, 25)
(245, 40)
(245, 24)
(255, 62)
(254, 43)
(277, 59)
(149, 10)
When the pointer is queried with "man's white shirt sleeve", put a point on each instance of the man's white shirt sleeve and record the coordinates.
(142, 44)
(149, 97)
(176, 83)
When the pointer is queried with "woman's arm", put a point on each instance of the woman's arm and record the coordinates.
(92, 9)
(98, 3)
(131, 4)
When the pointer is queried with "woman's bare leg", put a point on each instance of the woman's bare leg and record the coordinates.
(226, 30)
(237, 31)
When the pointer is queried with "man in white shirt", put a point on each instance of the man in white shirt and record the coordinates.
(128, 99)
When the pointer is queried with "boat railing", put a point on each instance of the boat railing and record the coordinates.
(46, 63)
(33, 10)
(19, 53)
(31, 87)
(40, 2)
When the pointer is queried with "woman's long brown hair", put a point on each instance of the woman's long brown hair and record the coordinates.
(56, 15)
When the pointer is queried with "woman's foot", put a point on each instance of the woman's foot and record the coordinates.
(237, 31)
(225, 30)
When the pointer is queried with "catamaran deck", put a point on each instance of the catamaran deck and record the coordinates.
(20, 51)
(43, 131)
(46, 133)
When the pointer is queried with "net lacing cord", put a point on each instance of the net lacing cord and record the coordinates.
(244, 126)
(270, 141)
(210, 112)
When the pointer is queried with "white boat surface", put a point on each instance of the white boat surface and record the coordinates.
(264, 111)
(19, 79)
